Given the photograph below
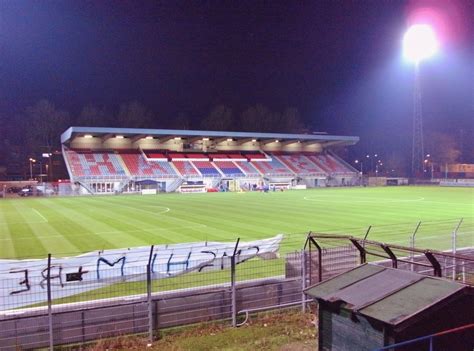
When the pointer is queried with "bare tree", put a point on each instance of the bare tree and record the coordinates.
(396, 164)
(258, 118)
(134, 115)
(220, 118)
(43, 124)
(442, 148)
(93, 116)
(291, 121)
(181, 121)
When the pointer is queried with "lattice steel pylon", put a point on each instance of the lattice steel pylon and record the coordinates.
(417, 156)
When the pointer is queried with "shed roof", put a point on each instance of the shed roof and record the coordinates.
(386, 294)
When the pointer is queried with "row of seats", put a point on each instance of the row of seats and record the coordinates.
(229, 169)
(95, 164)
(133, 163)
(245, 155)
(300, 164)
(272, 168)
(329, 164)
(139, 166)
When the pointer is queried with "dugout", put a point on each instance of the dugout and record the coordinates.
(370, 307)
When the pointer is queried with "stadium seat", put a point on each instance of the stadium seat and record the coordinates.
(96, 164)
(207, 169)
(138, 166)
(300, 164)
(185, 168)
(247, 168)
(229, 168)
(272, 168)
(330, 164)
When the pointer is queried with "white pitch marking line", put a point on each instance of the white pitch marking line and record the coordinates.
(166, 209)
(39, 214)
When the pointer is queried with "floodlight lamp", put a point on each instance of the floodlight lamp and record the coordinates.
(205, 139)
(87, 136)
(419, 43)
(119, 136)
(230, 139)
(149, 137)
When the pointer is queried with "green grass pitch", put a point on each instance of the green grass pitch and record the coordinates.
(67, 226)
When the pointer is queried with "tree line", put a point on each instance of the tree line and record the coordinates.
(38, 127)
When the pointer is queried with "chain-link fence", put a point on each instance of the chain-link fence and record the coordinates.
(51, 303)
(47, 302)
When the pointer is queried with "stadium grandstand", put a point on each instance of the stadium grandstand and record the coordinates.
(118, 160)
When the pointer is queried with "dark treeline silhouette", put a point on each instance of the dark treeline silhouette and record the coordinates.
(38, 127)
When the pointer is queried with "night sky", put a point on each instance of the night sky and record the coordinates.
(338, 62)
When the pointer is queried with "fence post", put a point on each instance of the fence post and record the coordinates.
(367, 232)
(50, 309)
(454, 237)
(233, 289)
(412, 245)
(303, 280)
(148, 295)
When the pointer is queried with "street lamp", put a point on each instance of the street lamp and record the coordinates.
(419, 43)
(32, 160)
(361, 173)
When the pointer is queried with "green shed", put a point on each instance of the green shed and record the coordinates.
(371, 306)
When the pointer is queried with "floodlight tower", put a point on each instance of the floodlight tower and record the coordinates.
(419, 43)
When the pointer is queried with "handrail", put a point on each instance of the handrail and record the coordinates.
(427, 337)
(259, 309)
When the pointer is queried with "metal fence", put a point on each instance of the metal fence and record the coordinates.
(61, 311)
(332, 254)
(140, 302)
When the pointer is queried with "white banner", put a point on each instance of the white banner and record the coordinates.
(24, 283)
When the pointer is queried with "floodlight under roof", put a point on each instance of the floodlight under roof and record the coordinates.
(419, 43)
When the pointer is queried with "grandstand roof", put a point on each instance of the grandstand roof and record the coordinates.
(73, 132)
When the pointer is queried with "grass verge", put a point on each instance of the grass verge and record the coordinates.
(283, 331)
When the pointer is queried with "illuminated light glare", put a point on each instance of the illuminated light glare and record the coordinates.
(419, 43)
(149, 137)
(88, 136)
(119, 136)
(277, 141)
(254, 140)
(205, 139)
(177, 138)
(230, 139)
